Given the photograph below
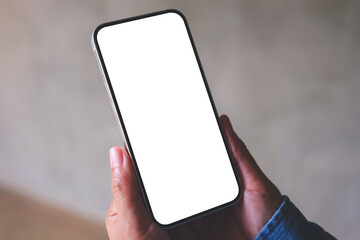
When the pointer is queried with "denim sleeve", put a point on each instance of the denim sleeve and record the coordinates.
(289, 223)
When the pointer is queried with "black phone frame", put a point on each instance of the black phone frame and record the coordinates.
(146, 200)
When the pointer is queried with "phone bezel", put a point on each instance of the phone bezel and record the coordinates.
(121, 124)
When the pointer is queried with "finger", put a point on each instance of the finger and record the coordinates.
(131, 211)
(111, 220)
(111, 215)
(246, 166)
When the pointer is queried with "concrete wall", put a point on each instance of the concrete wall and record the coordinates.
(287, 73)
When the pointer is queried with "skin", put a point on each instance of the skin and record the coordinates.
(127, 217)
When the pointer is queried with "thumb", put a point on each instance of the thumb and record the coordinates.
(249, 172)
(133, 218)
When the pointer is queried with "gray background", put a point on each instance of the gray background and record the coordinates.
(286, 72)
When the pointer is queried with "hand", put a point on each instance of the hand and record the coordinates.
(127, 217)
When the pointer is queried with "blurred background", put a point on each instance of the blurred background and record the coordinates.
(287, 72)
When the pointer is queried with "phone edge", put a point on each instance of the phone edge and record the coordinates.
(116, 111)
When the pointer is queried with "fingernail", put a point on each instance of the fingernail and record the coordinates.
(116, 157)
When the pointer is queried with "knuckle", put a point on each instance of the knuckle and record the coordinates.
(119, 188)
(110, 216)
(237, 152)
(240, 150)
(116, 185)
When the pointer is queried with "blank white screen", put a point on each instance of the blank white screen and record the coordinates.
(168, 116)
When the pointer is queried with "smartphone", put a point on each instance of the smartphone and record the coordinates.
(164, 108)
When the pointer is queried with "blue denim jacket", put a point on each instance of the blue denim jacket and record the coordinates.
(289, 223)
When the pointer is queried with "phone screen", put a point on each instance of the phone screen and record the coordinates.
(166, 112)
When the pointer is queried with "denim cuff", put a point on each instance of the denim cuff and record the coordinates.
(289, 223)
